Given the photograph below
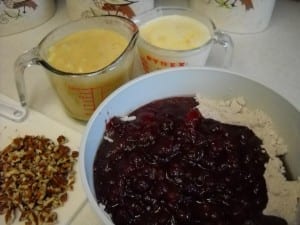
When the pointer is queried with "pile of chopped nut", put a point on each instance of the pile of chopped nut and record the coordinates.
(35, 175)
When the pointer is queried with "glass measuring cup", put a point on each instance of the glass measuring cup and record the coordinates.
(81, 93)
(154, 57)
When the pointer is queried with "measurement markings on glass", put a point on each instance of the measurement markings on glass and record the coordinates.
(86, 95)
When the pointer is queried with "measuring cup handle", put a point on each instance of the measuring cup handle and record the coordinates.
(226, 42)
(25, 60)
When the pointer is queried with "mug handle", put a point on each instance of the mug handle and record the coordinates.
(25, 60)
(226, 42)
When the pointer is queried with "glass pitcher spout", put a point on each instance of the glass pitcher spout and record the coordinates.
(132, 33)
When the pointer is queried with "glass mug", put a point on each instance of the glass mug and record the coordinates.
(154, 57)
(81, 93)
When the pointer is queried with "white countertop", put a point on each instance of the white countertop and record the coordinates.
(271, 57)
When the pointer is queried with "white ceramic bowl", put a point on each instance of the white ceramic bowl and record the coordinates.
(211, 83)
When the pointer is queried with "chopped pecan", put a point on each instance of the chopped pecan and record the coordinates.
(35, 177)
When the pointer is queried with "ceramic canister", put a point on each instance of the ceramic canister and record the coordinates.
(20, 15)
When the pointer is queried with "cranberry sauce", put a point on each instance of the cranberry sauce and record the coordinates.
(172, 166)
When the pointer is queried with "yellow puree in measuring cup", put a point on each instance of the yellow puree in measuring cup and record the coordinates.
(85, 52)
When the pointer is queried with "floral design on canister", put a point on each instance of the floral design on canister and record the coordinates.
(237, 16)
(233, 3)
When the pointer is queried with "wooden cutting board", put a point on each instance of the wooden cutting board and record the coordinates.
(38, 124)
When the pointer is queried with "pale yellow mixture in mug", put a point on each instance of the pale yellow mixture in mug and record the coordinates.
(86, 51)
(175, 32)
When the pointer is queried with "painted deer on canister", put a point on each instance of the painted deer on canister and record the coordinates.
(116, 7)
(19, 4)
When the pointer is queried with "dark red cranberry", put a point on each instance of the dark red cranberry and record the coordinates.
(171, 166)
